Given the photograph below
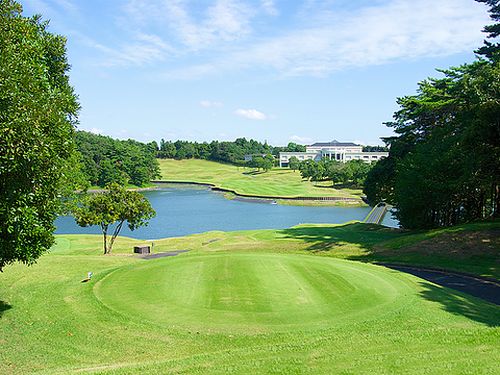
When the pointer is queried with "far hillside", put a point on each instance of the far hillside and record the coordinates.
(277, 182)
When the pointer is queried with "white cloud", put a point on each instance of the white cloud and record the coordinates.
(269, 7)
(302, 140)
(67, 5)
(251, 114)
(211, 104)
(394, 31)
(142, 50)
(224, 21)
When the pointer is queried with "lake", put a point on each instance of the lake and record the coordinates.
(188, 210)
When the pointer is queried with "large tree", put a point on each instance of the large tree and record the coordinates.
(114, 206)
(444, 164)
(444, 167)
(38, 111)
(491, 50)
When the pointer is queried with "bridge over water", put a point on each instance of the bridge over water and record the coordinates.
(377, 214)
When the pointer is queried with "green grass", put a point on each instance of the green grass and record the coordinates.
(277, 182)
(251, 292)
(270, 301)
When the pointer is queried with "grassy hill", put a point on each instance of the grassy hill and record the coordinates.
(276, 182)
(283, 301)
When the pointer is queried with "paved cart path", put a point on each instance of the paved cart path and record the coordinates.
(164, 254)
(487, 289)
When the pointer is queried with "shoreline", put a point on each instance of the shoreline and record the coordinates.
(149, 188)
(327, 201)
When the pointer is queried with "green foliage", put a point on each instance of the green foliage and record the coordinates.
(444, 166)
(379, 182)
(38, 109)
(107, 160)
(446, 160)
(491, 50)
(293, 163)
(291, 147)
(116, 205)
(352, 173)
(226, 152)
(375, 149)
(261, 162)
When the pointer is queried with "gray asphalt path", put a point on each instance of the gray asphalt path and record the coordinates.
(164, 254)
(487, 289)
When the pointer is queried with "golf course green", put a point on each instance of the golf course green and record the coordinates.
(251, 292)
(289, 301)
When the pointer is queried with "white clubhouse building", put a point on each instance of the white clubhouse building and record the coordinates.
(341, 151)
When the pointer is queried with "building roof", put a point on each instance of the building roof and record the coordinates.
(334, 143)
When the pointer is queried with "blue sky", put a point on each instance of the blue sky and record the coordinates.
(275, 70)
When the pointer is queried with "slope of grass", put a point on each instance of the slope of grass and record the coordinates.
(473, 248)
(240, 302)
(276, 182)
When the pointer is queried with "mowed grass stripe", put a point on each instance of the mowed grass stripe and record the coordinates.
(52, 323)
(236, 291)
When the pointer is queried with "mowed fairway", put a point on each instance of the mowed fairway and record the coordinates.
(278, 182)
(252, 292)
(240, 302)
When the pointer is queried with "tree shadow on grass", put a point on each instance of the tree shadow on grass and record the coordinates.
(365, 237)
(4, 306)
(327, 238)
(462, 304)
(253, 173)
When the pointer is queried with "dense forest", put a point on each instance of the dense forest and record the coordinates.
(106, 160)
(444, 162)
(221, 151)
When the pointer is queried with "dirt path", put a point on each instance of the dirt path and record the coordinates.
(487, 289)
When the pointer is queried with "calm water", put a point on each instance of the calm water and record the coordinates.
(182, 211)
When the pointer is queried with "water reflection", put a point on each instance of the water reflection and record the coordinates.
(182, 211)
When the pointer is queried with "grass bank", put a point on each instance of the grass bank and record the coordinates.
(277, 182)
(279, 301)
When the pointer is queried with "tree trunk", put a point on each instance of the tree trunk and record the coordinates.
(115, 234)
(104, 234)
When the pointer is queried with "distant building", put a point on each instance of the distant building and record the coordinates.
(340, 151)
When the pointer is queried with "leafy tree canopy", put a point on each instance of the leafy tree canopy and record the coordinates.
(444, 166)
(352, 173)
(38, 110)
(115, 206)
(491, 50)
(107, 160)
